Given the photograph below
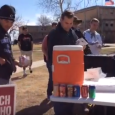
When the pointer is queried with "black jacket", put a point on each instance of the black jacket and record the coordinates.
(59, 36)
(80, 35)
(6, 53)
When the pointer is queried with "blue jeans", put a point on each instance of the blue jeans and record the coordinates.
(50, 81)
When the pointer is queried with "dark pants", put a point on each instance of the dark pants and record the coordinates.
(59, 108)
(50, 82)
(63, 108)
(3, 81)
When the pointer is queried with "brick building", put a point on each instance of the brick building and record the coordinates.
(38, 32)
(106, 15)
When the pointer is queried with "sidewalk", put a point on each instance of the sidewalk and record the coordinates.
(34, 65)
(33, 51)
(111, 45)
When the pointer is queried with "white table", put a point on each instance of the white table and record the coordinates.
(104, 99)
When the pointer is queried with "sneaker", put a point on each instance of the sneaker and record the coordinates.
(30, 70)
(24, 74)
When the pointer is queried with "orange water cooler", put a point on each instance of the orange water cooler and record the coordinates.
(68, 64)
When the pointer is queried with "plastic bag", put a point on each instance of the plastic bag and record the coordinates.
(24, 61)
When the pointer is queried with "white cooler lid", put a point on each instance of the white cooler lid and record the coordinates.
(68, 47)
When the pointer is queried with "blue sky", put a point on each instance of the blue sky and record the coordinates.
(29, 10)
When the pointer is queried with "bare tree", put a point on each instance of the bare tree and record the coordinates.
(86, 3)
(18, 22)
(55, 6)
(58, 6)
(44, 20)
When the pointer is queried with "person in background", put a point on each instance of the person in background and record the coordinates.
(25, 43)
(93, 37)
(62, 35)
(76, 24)
(7, 62)
(45, 52)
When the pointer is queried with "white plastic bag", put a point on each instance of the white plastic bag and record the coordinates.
(94, 74)
(24, 61)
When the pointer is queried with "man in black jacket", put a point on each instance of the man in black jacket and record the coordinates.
(77, 22)
(7, 62)
(62, 35)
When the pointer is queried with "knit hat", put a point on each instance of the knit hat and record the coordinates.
(7, 12)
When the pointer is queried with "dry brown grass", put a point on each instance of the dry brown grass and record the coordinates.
(37, 55)
(108, 50)
(35, 47)
(31, 93)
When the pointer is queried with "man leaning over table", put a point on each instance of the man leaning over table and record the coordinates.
(93, 37)
(62, 35)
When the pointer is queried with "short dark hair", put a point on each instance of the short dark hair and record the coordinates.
(68, 14)
(24, 28)
(94, 20)
(54, 23)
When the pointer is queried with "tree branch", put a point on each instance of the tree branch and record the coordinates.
(44, 20)
(18, 22)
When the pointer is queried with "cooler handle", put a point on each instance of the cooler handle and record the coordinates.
(63, 62)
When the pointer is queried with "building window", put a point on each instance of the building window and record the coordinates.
(106, 24)
(111, 25)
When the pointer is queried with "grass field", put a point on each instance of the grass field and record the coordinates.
(31, 93)
(35, 47)
(37, 55)
(108, 50)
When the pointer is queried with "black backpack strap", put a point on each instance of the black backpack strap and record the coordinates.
(74, 35)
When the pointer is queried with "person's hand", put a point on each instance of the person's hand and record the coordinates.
(17, 63)
(99, 45)
(84, 47)
(2, 61)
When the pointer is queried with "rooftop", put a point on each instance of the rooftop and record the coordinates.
(93, 7)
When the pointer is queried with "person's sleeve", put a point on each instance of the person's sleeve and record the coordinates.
(100, 39)
(11, 50)
(50, 43)
(19, 38)
(31, 37)
(44, 42)
(85, 36)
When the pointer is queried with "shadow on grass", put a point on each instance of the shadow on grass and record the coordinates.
(18, 77)
(36, 110)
